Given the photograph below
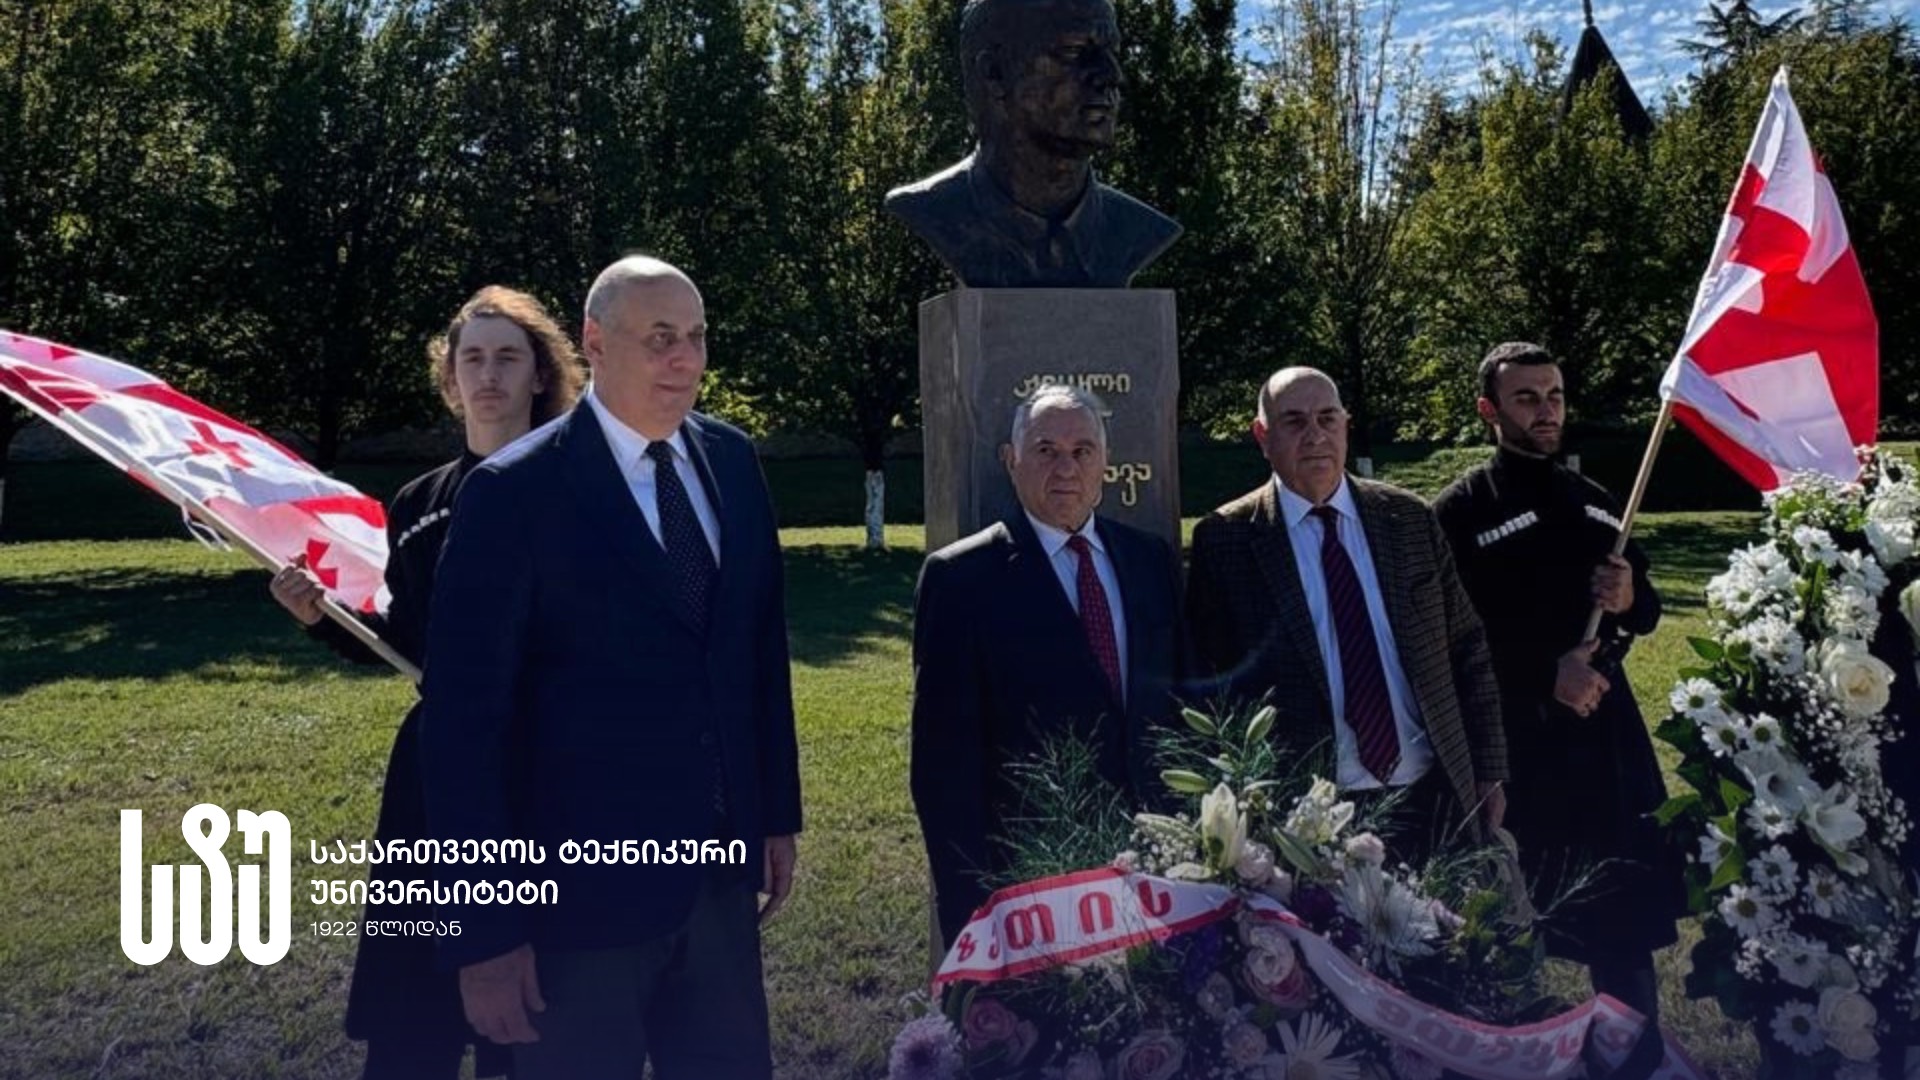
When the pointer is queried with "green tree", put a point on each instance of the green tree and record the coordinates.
(1538, 227)
(1341, 105)
(859, 111)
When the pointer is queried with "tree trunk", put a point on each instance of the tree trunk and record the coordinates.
(876, 510)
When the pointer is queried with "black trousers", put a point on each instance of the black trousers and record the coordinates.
(408, 1011)
(692, 1002)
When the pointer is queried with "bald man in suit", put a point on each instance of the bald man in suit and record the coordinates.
(1337, 599)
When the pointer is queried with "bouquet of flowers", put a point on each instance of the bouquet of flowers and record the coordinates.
(1260, 930)
(1809, 928)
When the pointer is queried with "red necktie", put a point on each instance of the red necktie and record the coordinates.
(1096, 618)
(1369, 709)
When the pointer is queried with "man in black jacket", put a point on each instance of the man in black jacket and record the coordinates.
(1534, 541)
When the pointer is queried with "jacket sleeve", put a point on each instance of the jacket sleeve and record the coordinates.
(476, 649)
(778, 744)
(1210, 638)
(1473, 674)
(949, 760)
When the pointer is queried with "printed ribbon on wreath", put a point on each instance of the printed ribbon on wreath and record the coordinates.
(1073, 917)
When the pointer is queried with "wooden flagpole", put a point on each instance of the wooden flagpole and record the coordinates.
(1632, 509)
(83, 432)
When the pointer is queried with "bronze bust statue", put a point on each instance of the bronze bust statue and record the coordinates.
(1025, 208)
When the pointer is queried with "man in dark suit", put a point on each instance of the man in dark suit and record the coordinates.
(607, 661)
(1338, 597)
(1051, 623)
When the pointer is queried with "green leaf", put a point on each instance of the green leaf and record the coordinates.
(1295, 852)
(1677, 730)
(1729, 872)
(1707, 649)
(1200, 722)
(1734, 796)
(1261, 724)
(1678, 806)
(1186, 782)
(1699, 774)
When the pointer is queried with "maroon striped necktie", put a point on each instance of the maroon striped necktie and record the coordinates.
(1369, 709)
(1096, 617)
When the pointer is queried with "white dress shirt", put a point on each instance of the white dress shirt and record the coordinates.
(630, 453)
(1066, 568)
(1306, 533)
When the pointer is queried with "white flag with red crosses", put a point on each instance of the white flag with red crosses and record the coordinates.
(1779, 371)
(190, 453)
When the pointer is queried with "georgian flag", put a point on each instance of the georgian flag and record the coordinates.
(203, 460)
(1779, 371)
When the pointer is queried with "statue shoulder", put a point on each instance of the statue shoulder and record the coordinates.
(1144, 231)
(932, 199)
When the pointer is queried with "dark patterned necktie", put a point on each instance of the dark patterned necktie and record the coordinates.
(1364, 680)
(1096, 617)
(691, 562)
(688, 555)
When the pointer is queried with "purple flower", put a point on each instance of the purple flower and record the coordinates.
(926, 1049)
(1201, 957)
(1315, 905)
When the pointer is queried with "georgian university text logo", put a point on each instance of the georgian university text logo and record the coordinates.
(206, 829)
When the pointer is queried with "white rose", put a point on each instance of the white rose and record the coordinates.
(1084, 1065)
(1279, 887)
(1892, 541)
(1216, 997)
(1858, 681)
(1910, 609)
(1255, 864)
(1268, 966)
(1367, 848)
(1245, 1044)
(1843, 1011)
(1855, 1045)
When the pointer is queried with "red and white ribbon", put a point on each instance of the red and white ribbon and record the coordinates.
(1073, 917)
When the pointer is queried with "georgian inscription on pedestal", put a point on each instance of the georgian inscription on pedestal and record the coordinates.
(983, 351)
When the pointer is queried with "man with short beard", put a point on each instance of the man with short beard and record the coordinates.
(1533, 540)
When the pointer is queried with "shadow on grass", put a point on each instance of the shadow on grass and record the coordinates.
(133, 624)
(838, 597)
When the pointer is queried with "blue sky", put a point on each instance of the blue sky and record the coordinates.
(1645, 35)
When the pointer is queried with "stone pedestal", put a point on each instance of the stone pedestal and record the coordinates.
(983, 351)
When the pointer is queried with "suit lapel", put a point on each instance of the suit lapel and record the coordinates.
(600, 487)
(1273, 550)
(1374, 521)
(1034, 576)
(1133, 581)
(700, 440)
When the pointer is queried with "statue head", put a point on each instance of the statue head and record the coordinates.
(1043, 73)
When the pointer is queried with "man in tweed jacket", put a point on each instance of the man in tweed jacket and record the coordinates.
(1365, 638)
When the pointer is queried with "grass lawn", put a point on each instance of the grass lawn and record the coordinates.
(153, 674)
